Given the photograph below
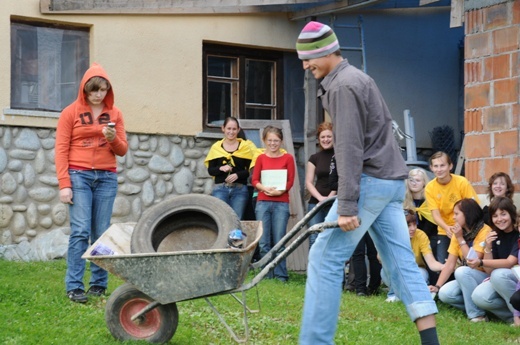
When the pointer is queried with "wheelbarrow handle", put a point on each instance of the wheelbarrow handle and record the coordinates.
(272, 258)
(326, 225)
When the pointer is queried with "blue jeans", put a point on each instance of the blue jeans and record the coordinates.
(381, 211)
(493, 295)
(235, 196)
(386, 280)
(457, 293)
(93, 195)
(274, 216)
(318, 218)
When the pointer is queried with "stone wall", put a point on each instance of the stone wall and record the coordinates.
(34, 224)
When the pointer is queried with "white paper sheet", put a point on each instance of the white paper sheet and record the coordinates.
(274, 178)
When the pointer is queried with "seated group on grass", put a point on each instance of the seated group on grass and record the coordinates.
(478, 273)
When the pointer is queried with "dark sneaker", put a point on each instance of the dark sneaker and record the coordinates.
(96, 291)
(77, 295)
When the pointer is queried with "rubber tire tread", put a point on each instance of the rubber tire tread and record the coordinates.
(201, 209)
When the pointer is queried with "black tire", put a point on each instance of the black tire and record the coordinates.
(185, 222)
(157, 326)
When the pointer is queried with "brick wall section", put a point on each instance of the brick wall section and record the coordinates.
(492, 86)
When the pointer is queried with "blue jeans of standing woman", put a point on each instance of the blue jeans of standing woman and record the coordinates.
(235, 195)
(93, 195)
(274, 216)
(380, 207)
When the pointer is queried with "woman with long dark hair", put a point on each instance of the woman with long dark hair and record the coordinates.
(469, 237)
(500, 255)
(228, 161)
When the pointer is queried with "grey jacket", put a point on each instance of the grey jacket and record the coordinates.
(363, 139)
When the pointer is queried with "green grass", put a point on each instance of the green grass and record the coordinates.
(35, 310)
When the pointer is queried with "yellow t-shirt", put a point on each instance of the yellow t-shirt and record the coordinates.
(442, 197)
(478, 244)
(420, 247)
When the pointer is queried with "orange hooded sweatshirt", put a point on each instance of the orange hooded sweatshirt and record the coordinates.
(79, 138)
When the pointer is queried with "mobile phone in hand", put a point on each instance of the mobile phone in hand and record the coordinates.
(111, 124)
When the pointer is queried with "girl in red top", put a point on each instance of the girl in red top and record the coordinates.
(273, 177)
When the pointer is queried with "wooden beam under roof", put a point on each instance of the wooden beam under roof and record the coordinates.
(174, 6)
(336, 7)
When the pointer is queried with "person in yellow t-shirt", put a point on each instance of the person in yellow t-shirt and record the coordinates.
(441, 194)
(416, 200)
(422, 251)
(468, 242)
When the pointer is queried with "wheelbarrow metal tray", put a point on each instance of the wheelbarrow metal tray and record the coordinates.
(169, 277)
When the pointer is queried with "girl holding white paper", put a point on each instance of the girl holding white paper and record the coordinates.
(273, 177)
(500, 255)
(469, 231)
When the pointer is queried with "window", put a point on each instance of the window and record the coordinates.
(47, 64)
(241, 82)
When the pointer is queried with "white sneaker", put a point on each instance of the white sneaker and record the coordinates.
(392, 299)
(480, 319)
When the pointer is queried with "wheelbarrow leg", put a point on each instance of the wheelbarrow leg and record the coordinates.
(244, 304)
(233, 334)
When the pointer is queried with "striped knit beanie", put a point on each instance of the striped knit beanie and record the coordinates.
(316, 40)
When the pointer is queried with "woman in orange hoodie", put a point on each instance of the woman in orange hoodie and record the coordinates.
(89, 135)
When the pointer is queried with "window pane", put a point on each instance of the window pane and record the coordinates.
(259, 114)
(219, 102)
(46, 66)
(259, 82)
(221, 66)
(241, 82)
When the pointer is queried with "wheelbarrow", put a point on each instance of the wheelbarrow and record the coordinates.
(145, 306)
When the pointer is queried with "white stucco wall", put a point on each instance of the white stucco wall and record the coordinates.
(154, 61)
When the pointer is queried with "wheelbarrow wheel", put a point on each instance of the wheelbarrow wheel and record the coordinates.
(156, 326)
(184, 222)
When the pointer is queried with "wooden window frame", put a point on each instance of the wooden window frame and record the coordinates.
(50, 79)
(242, 54)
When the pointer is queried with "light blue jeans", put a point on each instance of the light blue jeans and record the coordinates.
(386, 280)
(381, 211)
(93, 195)
(493, 295)
(318, 218)
(236, 197)
(274, 216)
(457, 293)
